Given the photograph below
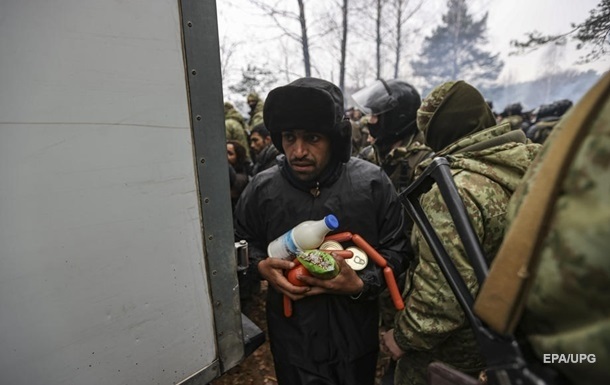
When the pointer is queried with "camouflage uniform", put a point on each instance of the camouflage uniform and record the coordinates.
(433, 326)
(401, 161)
(256, 113)
(568, 308)
(515, 121)
(400, 164)
(235, 127)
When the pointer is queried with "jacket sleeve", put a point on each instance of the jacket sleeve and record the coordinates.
(249, 226)
(432, 313)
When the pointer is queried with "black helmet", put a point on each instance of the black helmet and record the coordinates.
(512, 109)
(561, 106)
(395, 102)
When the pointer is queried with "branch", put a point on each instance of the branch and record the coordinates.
(537, 40)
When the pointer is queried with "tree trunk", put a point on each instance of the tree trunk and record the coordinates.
(343, 46)
(304, 40)
(398, 47)
(378, 38)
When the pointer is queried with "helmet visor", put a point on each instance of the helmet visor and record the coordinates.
(375, 99)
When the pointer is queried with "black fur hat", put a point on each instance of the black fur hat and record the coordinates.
(309, 104)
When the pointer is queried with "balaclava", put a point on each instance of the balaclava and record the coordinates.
(451, 111)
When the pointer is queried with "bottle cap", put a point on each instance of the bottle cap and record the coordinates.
(331, 222)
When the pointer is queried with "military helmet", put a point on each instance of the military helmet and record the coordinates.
(395, 102)
(512, 109)
(561, 106)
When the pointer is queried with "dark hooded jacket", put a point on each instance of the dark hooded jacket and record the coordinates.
(265, 159)
(324, 329)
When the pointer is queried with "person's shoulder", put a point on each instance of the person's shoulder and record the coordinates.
(362, 165)
(232, 123)
(266, 177)
(367, 172)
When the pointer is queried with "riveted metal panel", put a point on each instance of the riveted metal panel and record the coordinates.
(200, 34)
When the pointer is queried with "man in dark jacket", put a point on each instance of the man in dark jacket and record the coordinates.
(332, 335)
(263, 148)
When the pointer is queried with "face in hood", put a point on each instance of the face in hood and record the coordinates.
(313, 105)
(451, 111)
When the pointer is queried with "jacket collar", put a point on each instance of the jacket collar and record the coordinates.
(329, 176)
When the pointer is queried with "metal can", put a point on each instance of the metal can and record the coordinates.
(241, 255)
(359, 260)
(330, 245)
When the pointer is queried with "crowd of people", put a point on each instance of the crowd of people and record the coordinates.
(300, 157)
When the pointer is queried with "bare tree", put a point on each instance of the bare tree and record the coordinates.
(380, 34)
(344, 13)
(304, 38)
(359, 72)
(402, 15)
(593, 33)
(227, 50)
(378, 37)
(278, 14)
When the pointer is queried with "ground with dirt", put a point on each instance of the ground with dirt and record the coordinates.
(257, 369)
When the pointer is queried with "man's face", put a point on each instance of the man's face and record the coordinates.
(308, 153)
(252, 103)
(258, 143)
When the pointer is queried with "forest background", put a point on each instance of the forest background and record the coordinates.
(493, 44)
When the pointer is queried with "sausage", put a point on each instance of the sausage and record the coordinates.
(393, 288)
(345, 254)
(339, 237)
(287, 306)
(369, 250)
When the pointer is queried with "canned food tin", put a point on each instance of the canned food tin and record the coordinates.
(330, 245)
(359, 260)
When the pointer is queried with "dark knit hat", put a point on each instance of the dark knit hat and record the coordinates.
(313, 105)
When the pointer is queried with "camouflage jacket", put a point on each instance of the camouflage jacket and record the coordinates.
(400, 163)
(235, 129)
(568, 308)
(433, 326)
(256, 115)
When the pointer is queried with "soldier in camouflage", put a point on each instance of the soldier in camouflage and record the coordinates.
(547, 117)
(256, 110)
(568, 308)
(398, 145)
(235, 127)
(487, 163)
(513, 114)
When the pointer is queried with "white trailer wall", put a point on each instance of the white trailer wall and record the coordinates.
(102, 272)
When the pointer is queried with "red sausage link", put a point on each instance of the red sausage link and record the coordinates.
(345, 254)
(287, 306)
(339, 237)
(369, 250)
(393, 288)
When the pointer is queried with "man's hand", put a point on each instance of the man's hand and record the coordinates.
(272, 269)
(389, 345)
(346, 282)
